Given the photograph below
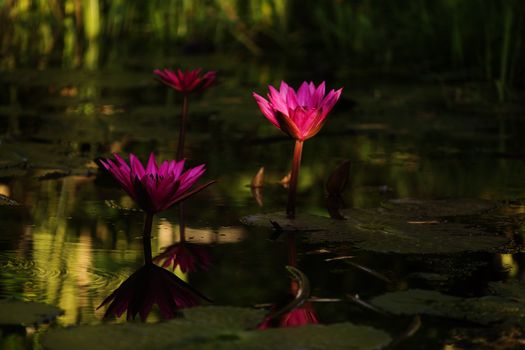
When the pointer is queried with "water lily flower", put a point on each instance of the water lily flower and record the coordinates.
(148, 286)
(186, 81)
(187, 256)
(155, 187)
(301, 115)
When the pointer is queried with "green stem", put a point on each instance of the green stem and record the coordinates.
(146, 238)
(182, 129)
(296, 164)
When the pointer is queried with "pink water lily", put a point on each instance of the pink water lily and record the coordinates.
(148, 286)
(299, 114)
(186, 81)
(155, 187)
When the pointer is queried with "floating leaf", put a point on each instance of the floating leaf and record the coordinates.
(278, 220)
(205, 328)
(512, 290)
(483, 310)
(356, 299)
(381, 230)
(412, 207)
(24, 313)
(416, 301)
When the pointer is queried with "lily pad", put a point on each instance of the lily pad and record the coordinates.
(23, 313)
(512, 290)
(438, 208)
(381, 231)
(416, 301)
(18, 156)
(484, 310)
(214, 328)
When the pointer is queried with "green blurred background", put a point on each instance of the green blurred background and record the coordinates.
(474, 40)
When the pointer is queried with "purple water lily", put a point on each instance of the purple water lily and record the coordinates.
(155, 187)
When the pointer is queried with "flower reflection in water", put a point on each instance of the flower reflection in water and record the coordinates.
(188, 257)
(299, 316)
(151, 285)
(295, 309)
(186, 81)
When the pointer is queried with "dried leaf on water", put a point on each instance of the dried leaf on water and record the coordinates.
(258, 179)
(285, 181)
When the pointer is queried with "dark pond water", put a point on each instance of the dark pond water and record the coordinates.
(422, 138)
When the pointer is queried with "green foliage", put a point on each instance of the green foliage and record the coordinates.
(482, 37)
